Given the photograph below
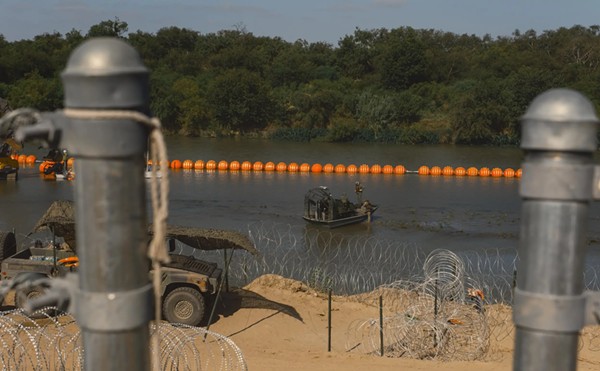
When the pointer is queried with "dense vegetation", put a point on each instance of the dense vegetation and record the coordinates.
(400, 86)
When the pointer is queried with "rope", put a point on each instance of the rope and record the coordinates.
(159, 190)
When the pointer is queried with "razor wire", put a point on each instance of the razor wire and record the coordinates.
(43, 341)
(362, 267)
(429, 312)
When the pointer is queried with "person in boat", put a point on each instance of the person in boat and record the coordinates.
(60, 162)
(358, 189)
(53, 155)
(366, 207)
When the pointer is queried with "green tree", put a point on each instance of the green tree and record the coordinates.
(240, 100)
(43, 94)
(192, 107)
(402, 61)
(108, 28)
(356, 53)
(481, 113)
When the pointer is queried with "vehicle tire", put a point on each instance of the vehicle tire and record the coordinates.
(184, 305)
(25, 294)
(8, 245)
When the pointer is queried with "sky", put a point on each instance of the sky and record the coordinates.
(311, 20)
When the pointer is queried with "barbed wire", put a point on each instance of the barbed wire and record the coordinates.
(52, 341)
(409, 278)
(430, 298)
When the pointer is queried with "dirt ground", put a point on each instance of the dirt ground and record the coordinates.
(281, 324)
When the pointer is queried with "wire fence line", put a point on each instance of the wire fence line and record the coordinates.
(440, 304)
(53, 342)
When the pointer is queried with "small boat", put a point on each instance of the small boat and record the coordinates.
(320, 207)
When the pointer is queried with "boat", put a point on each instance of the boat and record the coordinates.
(320, 207)
(54, 165)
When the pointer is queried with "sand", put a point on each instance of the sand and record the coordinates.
(281, 324)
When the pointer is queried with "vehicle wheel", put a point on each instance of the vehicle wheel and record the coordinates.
(8, 245)
(25, 294)
(184, 305)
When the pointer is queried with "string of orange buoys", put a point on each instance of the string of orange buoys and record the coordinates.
(305, 167)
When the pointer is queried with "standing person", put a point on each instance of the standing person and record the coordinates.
(358, 189)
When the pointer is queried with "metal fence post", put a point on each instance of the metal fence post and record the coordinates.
(113, 302)
(559, 138)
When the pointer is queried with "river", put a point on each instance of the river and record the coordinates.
(429, 212)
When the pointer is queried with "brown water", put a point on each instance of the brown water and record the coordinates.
(434, 212)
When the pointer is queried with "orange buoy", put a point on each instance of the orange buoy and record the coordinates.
(304, 167)
(340, 168)
(270, 166)
(447, 171)
(424, 170)
(22, 158)
(223, 165)
(246, 166)
(234, 165)
(509, 172)
(497, 172)
(460, 171)
(199, 165)
(30, 159)
(363, 169)
(292, 167)
(351, 169)
(316, 168)
(187, 164)
(281, 166)
(399, 169)
(211, 165)
(43, 166)
(518, 173)
(472, 171)
(484, 171)
(71, 161)
(258, 166)
(436, 170)
(328, 168)
(376, 169)
(14, 156)
(387, 169)
(176, 164)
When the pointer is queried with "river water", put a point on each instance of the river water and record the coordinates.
(430, 212)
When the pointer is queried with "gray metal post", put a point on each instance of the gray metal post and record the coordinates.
(113, 302)
(559, 138)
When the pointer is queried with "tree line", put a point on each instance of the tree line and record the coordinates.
(399, 85)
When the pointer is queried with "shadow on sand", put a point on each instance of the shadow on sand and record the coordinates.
(237, 298)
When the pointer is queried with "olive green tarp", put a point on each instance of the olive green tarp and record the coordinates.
(60, 220)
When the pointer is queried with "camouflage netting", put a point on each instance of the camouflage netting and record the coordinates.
(209, 239)
(60, 219)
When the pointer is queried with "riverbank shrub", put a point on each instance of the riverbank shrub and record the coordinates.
(296, 134)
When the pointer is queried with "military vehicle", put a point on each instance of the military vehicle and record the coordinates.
(187, 282)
